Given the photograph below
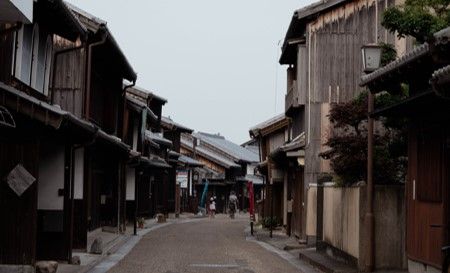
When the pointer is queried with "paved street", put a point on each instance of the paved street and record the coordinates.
(205, 245)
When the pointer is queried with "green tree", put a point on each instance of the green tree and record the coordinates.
(418, 18)
(348, 144)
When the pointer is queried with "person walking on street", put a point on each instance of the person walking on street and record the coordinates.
(232, 204)
(212, 207)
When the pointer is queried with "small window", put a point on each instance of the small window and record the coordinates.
(24, 53)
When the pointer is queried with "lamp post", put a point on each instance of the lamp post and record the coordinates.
(371, 56)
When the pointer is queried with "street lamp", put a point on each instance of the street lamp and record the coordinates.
(371, 57)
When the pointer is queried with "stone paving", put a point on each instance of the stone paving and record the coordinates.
(203, 245)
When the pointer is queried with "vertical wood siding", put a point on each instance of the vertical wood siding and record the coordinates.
(18, 214)
(330, 66)
(69, 80)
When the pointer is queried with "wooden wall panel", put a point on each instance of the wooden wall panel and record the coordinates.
(6, 55)
(426, 215)
(18, 214)
(68, 84)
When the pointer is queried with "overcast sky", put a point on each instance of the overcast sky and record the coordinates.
(215, 61)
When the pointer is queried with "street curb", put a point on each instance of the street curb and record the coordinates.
(293, 260)
(119, 251)
(126, 245)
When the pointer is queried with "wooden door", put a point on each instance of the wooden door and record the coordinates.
(427, 183)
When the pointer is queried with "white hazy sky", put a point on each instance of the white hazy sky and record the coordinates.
(215, 61)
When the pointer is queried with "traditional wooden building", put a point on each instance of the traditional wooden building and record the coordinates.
(56, 125)
(144, 163)
(153, 191)
(224, 166)
(425, 70)
(184, 179)
(322, 49)
(237, 177)
(90, 84)
(172, 131)
(271, 135)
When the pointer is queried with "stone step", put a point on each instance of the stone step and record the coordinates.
(325, 263)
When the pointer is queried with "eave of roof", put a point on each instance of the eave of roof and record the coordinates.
(96, 25)
(146, 94)
(158, 139)
(189, 161)
(418, 52)
(271, 125)
(158, 162)
(237, 152)
(210, 155)
(54, 116)
(169, 124)
(58, 17)
(424, 51)
(297, 26)
(138, 106)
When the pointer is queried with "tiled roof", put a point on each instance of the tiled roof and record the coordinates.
(256, 179)
(189, 161)
(418, 52)
(51, 110)
(275, 122)
(95, 24)
(169, 123)
(441, 75)
(440, 38)
(145, 94)
(141, 105)
(296, 143)
(158, 138)
(210, 155)
(235, 151)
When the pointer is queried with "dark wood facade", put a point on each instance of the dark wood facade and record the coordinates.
(425, 71)
(18, 236)
(89, 117)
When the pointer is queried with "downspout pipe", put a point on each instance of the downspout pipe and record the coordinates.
(370, 217)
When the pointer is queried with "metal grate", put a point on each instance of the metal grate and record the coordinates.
(6, 119)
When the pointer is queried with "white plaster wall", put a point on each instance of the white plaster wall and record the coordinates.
(78, 174)
(341, 218)
(51, 177)
(311, 211)
(131, 180)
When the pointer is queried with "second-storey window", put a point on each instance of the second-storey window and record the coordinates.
(33, 57)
